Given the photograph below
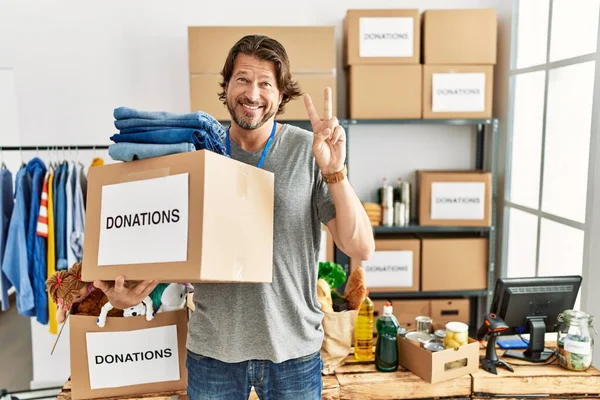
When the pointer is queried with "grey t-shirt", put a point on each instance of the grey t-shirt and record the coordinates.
(281, 320)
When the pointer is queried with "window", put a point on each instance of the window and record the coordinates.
(552, 78)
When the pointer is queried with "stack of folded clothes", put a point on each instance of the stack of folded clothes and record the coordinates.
(145, 134)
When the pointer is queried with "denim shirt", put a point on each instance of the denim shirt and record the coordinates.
(36, 245)
(6, 210)
(15, 263)
(60, 206)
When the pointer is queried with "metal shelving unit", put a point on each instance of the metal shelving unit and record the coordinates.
(486, 159)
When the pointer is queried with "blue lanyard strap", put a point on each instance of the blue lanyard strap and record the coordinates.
(265, 150)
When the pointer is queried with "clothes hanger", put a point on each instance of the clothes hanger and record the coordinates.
(23, 165)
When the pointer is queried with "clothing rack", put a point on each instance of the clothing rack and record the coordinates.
(58, 147)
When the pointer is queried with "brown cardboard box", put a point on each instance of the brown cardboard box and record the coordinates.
(205, 89)
(460, 36)
(385, 91)
(407, 310)
(449, 310)
(188, 217)
(454, 198)
(454, 264)
(129, 356)
(394, 266)
(309, 48)
(434, 367)
(457, 91)
(382, 37)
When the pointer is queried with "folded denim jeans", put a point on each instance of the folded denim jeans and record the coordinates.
(201, 139)
(126, 113)
(126, 151)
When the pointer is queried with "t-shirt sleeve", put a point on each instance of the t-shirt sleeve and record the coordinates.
(323, 201)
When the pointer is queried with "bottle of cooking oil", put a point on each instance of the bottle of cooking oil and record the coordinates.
(363, 332)
(386, 350)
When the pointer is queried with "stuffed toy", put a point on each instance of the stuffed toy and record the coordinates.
(174, 297)
(143, 308)
(71, 294)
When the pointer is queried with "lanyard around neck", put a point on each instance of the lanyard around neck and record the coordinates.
(265, 150)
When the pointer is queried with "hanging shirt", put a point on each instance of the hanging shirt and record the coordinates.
(60, 215)
(70, 196)
(76, 242)
(39, 201)
(51, 257)
(6, 209)
(15, 263)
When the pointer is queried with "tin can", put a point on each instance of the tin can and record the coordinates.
(433, 346)
(440, 335)
(423, 324)
(402, 332)
(399, 214)
(419, 337)
(387, 205)
(405, 199)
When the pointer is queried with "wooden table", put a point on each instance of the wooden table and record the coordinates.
(359, 380)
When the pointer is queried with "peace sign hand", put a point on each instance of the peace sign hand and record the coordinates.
(329, 141)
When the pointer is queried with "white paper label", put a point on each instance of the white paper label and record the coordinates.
(117, 359)
(144, 221)
(572, 346)
(458, 92)
(389, 269)
(458, 200)
(385, 37)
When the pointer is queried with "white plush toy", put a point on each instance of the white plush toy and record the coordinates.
(174, 297)
(144, 308)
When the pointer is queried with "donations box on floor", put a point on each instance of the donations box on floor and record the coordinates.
(128, 356)
(190, 217)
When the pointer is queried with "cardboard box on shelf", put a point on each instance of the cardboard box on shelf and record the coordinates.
(189, 217)
(391, 36)
(434, 367)
(128, 356)
(385, 91)
(449, 310)
(454, 198)
(204, 89)
(394, 266)
(457, 91)
(309, 48)
(454, 264)
(464, 36)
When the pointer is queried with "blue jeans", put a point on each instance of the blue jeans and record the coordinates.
(297, 379)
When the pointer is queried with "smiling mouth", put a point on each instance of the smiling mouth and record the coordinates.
(250, 107)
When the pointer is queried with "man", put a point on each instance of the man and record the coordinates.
(269, 335)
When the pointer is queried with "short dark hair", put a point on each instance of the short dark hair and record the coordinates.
(266, 49)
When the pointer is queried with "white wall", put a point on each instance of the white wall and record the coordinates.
(74, 62)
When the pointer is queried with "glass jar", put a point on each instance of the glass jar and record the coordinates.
(575, 341)
(457, 334)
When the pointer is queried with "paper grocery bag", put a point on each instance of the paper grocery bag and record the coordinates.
(337, 343)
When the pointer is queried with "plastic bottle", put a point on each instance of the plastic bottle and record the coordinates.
(363, 332)
(386, 350)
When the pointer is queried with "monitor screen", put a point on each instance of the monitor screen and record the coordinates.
(515, 299)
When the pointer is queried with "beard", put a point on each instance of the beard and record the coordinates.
(242, 119)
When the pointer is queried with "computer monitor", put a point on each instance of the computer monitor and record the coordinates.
(532, 305)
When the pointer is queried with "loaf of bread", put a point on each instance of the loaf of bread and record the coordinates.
(356, 288)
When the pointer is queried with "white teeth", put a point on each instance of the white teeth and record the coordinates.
(250, 107)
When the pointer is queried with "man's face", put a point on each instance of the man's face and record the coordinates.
(252, 93)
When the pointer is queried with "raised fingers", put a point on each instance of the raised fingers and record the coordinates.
(337, 133)
(313, 116)
(328, 112)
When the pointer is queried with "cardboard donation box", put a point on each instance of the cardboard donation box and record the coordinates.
(189, 217)
(454, 198)
(434, 367)
(449, 310)
(457, 91)
(382, 37)
(129, 356)
(394, 266)
(466, 36)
